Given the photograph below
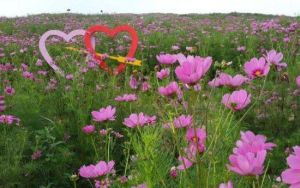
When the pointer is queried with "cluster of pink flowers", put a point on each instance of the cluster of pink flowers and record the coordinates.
(292, 174)
(126, 98)
(139, 120)
(134, 84)
(104, 114)
(196, 144)
(226, 80)
(9, 120)
(237, 100)
(249, 155)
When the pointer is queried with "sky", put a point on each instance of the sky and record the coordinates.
(12, 8)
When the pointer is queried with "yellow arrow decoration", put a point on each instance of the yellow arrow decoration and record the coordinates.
(119, 59)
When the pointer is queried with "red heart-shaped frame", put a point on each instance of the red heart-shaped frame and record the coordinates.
(111, 33)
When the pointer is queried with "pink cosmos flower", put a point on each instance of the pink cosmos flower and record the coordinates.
(175, 47)
(298, 81)
(237, 100)
(126, 98)
(190, 72)
(252, 143)
(9, 90)
(104, 183)
(139, 120)
(226, 185)
(2, 103)
(167, 59)
(69, 77)
(185, 163)
(241, 48)
(133, 83)
(257, 67)
(292, 174)
(37, 154)
(88, 129)
(227, 80)
(170, 90)
(39, 63)
(196, 136)
(145, 86)
(275, 58)
(28, 75)
(189, 157)
(100, 169)
(104, 114)
(163, 73)
(9, 119)
(248, 164)
(183, 121)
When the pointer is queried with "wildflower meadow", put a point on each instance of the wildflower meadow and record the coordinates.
(189, 101)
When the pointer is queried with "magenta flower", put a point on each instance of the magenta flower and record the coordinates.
(227, 80)
(139, 120)
(145, 86)
(37, 154)
(226, 185)
(190, 72)
(257, 67)
(298, 81)
(175, 47)
(39, 63)
(2, 103)
(237, 100)
(189, 157)
(100, 169)
(104, 114)
(163, 73)
(133, 83)
(248, 164)
(252, 143)
(275, 58)
(9, 90)
(249, 155)
(183, 121)
(69, 77)
(28, 75)
(196, 137)
(167, 59)
(126, 98)
(241, 48)
(185, 163)
(292, 174)
(170, 90)
(88, 129)
(9, 119)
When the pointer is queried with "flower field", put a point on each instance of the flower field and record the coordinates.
(215, 102)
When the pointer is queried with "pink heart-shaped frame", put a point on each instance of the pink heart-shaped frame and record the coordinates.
(66, 37)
